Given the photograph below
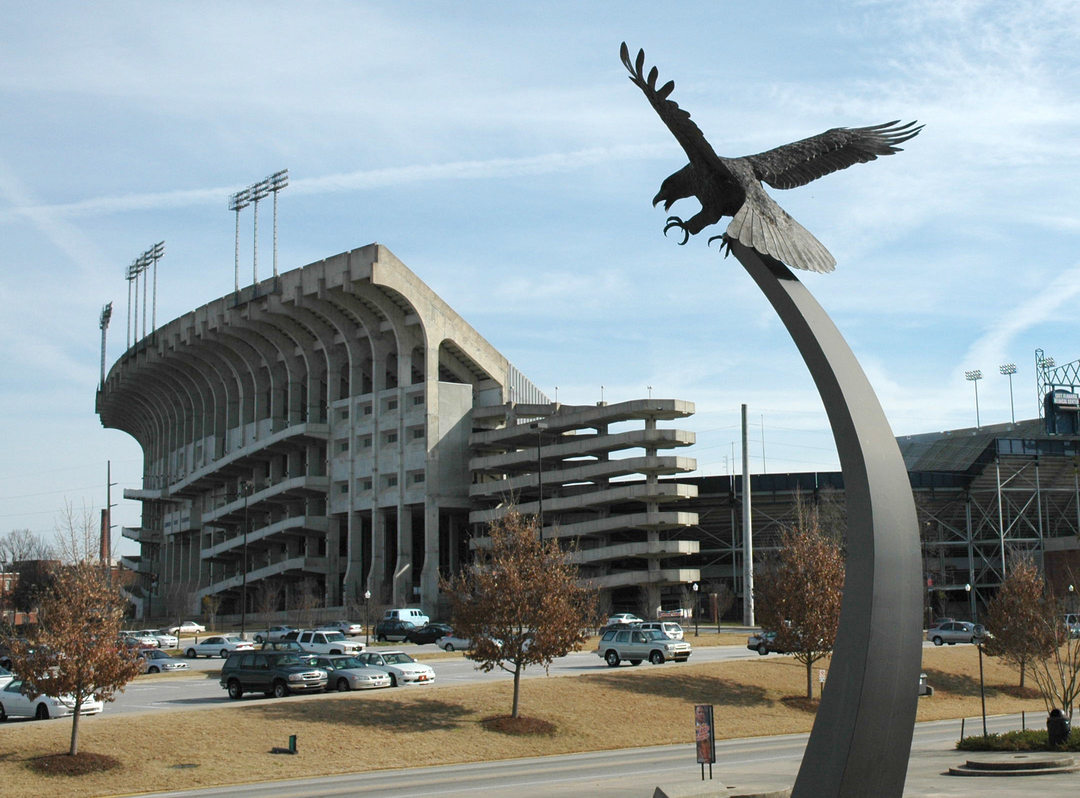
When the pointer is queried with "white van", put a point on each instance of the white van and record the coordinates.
(407, 614)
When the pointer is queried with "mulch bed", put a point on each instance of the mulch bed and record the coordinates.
(79, 765)
(519, 725)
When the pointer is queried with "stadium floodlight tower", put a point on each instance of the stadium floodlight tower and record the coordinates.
(278, 181)
(153, 255)
(1008, 369)
(134, 270)
(237, 202)
(260, 190)
(103, 323)
(974, 376)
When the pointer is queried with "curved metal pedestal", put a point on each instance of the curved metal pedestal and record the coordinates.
(861, 738)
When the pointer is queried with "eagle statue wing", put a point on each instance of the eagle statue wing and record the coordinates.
(798, 163)
(678, 121)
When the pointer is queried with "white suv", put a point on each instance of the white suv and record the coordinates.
(328, 641)
(640, 644)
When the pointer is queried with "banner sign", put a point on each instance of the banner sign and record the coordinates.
(704, 734)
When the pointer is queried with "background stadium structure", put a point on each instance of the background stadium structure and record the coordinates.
(340, 430)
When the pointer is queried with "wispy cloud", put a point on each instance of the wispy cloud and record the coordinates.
(993, 346)
(23, 206)
(67, 238)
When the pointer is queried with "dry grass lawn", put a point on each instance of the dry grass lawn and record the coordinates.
(349, 732)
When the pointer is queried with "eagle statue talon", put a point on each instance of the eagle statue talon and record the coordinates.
(725, 243)
(675, 221)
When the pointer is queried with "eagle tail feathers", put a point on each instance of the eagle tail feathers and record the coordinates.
(769, 230)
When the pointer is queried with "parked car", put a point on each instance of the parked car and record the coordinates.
(140, 639)
(392, 629)
(327, 641)
(1072, 623)
(454, 643)
(670, 628)
(410, 614)
(154, 660)
(401, 667)
(5, 676)
(187, 628)
(624, 617)
(640, 644)
(346, 672)
(217, 646)
(163, 637)
(428, 633)
(275, 673)
(345, 627)
(273, 633)
(953, 632)
(763, 642)
(14, 703)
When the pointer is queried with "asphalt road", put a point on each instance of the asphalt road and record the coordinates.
(200, 689)
(752, 764)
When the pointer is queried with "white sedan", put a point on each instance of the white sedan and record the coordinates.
(346, 672)
(14, 704)
(217, 646)
(345, 627)
(187, 628)
(453, 643)
(165, 640)
(401, 667)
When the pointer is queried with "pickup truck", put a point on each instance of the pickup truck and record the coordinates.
(325, 641)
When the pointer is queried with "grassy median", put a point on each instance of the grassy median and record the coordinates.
(415, 726)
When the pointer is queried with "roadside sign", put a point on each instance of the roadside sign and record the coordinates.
(704, 737)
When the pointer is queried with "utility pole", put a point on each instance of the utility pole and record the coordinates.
(748, 532)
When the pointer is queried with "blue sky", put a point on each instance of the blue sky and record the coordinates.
(499, 150)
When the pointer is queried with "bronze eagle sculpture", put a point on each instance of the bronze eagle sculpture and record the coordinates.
(732, 186)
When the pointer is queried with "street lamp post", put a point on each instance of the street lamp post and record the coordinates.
(971, 598)
(367, 621)
(696, 588)
(245, 488)
(1008, 369)
(974, 376)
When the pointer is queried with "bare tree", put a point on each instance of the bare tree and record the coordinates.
(798, 591)
(178, 597)
(1016, 618)
(1057, 670)
(210, 606)
(78, 535)
(267, 598)
(308, 598)
(75, 650)
(520, 602)
(21, 545)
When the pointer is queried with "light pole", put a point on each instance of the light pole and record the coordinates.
(245, 489)
(103, 323)
(367, 621)
(696, 588)
(278, 181)
(237, 202)
(975, 376)
(1008, 369)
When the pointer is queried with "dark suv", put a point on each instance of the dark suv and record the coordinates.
(275, 673)
(392, 629)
